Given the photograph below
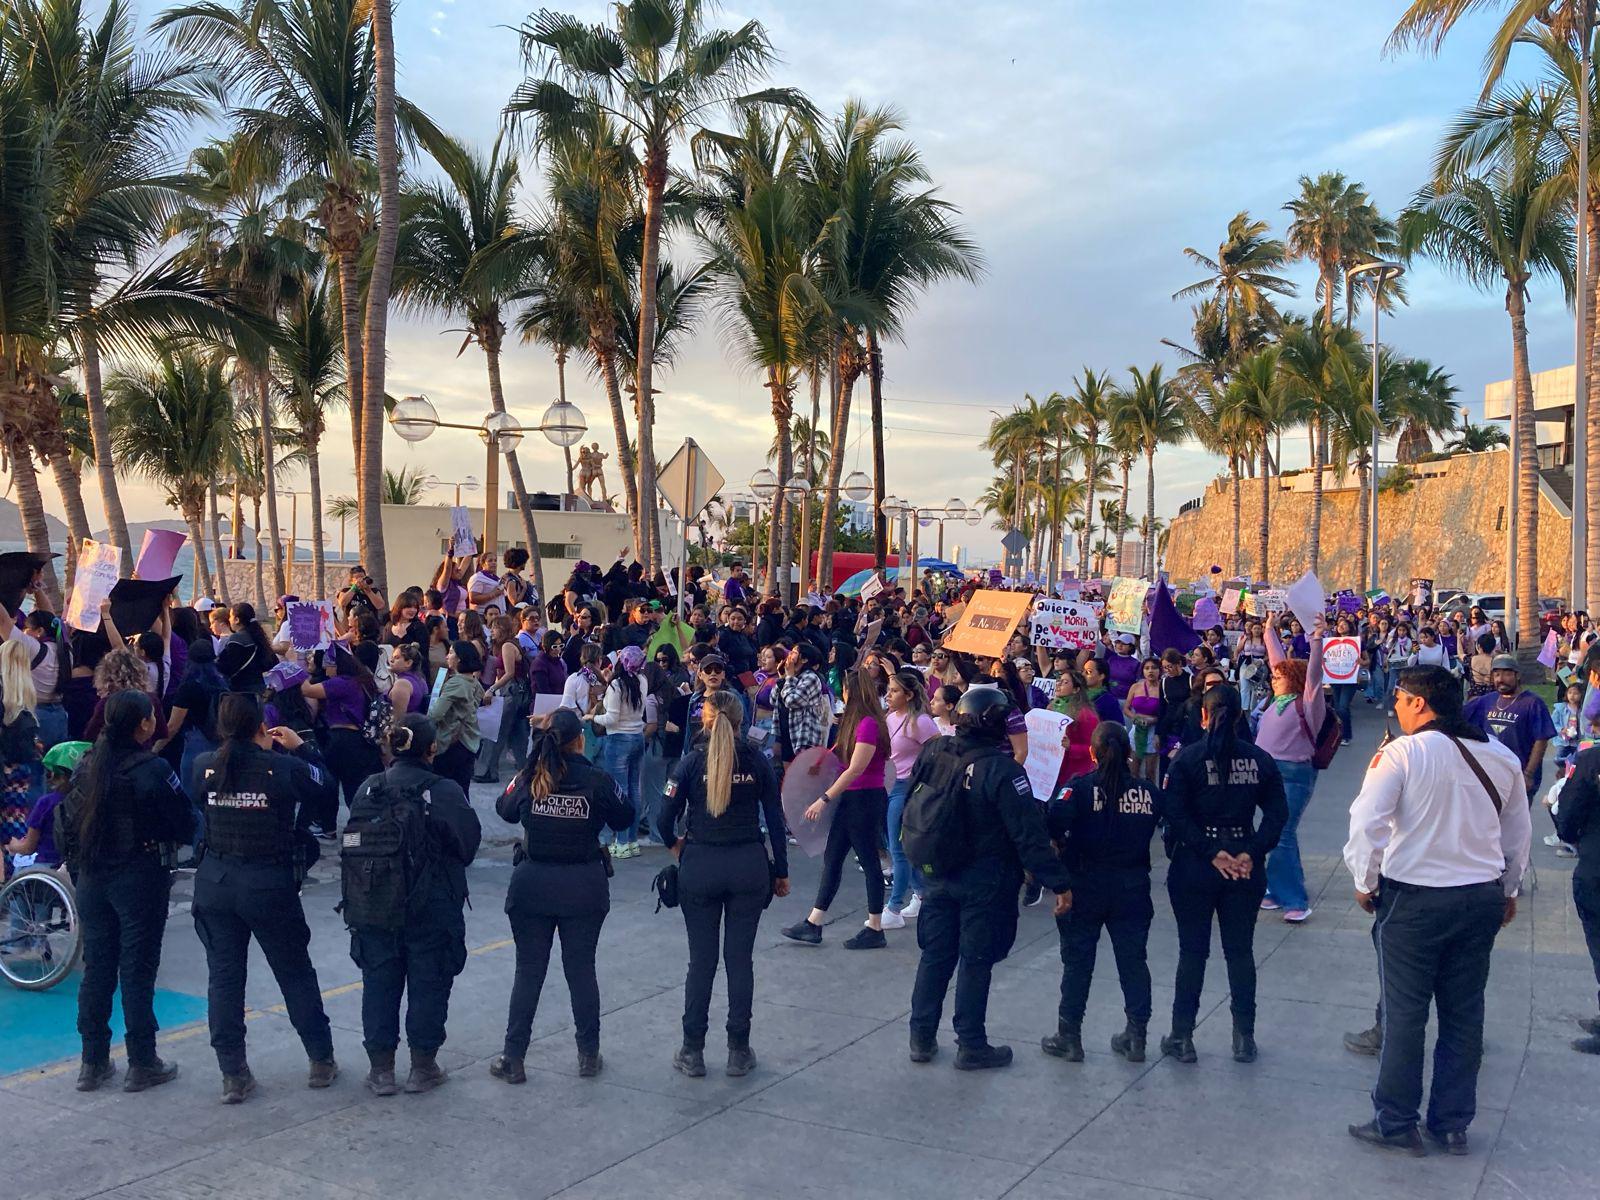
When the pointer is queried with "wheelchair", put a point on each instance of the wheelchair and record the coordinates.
(41, 936)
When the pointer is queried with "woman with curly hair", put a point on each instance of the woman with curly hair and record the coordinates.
(123, 671)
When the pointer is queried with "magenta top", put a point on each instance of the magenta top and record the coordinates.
(1282, 734)
(869, 734)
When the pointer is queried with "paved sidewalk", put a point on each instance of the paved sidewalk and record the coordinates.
(835, 1108)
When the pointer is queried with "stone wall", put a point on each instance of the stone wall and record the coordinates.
(1443, 528)
(242, 580)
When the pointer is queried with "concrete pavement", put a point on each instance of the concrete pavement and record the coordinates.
(835, 1109)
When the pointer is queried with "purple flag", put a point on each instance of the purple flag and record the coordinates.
(1168, 629)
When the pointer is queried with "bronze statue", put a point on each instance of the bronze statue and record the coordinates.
(591, 470)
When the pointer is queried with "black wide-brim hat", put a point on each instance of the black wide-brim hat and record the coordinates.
(136, 603)
(17, 571)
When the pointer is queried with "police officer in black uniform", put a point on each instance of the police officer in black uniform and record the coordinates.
(969, 916)
(1219, 854)
(118, 830)
(721, 788)
(560, 884)
(248, 883)
(421, 960)
(1103, 822)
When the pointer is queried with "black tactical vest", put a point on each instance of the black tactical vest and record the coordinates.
(253, 819)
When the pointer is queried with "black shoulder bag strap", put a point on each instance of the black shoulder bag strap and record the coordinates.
(1477, 769)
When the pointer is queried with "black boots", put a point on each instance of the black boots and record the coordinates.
(923, 1049)
(507, 1069)
(380, 1078)
(1129, 1044)
(322, 1073)
(91, 1075)
(690, 1061)
(982, 1058)
(236, 1089)
(148, 1075)
(589, 1064)
(1179, 1046)
(1066, 1042)
(741, 1059)
(426, 1073)
(1244, 1046)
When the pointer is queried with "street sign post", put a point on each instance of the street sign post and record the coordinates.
(1014, 543)
(687, 483)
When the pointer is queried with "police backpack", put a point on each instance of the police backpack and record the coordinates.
(384, 854)
(935, 831)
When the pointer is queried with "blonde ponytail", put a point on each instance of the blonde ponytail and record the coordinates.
(721, 756)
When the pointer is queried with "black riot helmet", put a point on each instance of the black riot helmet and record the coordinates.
(982, 712)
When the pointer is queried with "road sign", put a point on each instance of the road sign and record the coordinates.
(689, 480)
(1014, 542)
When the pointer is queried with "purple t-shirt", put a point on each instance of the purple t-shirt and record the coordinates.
(1121, 671)
(346, 703)
(1516, 723)
(42, 818)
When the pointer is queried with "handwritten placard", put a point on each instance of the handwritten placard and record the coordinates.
(462, 541)
(98, 567)
(310, 625)
(1125, 606)
(1063, 623)
(1045, 751)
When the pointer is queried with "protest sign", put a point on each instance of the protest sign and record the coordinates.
(987, 621)
(1306, 599)
(869, 639)
(871, 587)
(1125, 606)
(310, 624)
(462, 541)
(1230, 601)
(1259, 604)
(98, 566)
(157, 553)
(1206, 614)
(811, 773)
(1057, 623)
(1341, 660)
(1547, 655)
(1347, 601)
(1045, 751)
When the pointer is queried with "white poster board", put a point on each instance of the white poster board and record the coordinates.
(871, 587)
(462, 542)
(1341, 660)
(1045, 751)
(1307, 600)
(99, 564)
(1057, 623)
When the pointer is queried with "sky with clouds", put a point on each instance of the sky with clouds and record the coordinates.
(1086, 144)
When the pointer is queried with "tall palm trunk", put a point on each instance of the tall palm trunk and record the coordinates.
(880, 523)
(1363, 514)
(216, 541)
(350, 322)
(1265, 529)
(69, 482)
(237, 532)
(260, 572)
(1150, 507)
(1591, 430)
(1127, 467)
(1090, 461)
(1527, 469)
(846, 367)
(269, 479)
(778, 527)
(30, 506)
(607, 360)
(201, 584)
(377, 326)
(561, 393)
(1316, 493)
(319, 559)
(105, 467)
(655, 185)
(497, 398)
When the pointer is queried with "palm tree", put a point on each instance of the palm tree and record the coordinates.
(463, 253)
(405, 487)
(1475, 439)
(173, 426)
(1089, 409)
(1314, 359)
(1155, 411)
(1263, 404)
(657, 73)
(1243, 278)
(1501, 229)
(1124, 439)
(554, 319)
(815, 440)
(1217, 420)
(374, 346)
(309, 382)
(1335, 227)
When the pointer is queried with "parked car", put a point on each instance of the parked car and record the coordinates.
(1493, 604)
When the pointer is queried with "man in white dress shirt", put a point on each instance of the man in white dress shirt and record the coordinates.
(1438, 844)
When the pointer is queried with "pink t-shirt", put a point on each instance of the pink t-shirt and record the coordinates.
(906, 736)
(869, 734)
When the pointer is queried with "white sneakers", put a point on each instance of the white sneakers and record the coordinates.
(892, 920)
(912, 909)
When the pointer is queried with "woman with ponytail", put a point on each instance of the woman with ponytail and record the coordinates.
(722, 789)
(1214, 789)
(117, 830)
(1102, 821)
(559, 885)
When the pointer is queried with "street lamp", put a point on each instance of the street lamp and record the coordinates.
(414, 418)
(469, 484)
(764, 486)
(799, 485)
(857, 485)
(563, 425)
(1380, 272)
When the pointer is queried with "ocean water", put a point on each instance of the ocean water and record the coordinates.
(185, 561)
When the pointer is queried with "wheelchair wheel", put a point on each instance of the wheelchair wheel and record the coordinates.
(40, 937)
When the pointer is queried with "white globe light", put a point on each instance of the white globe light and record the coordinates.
(857, 485)
(798, 485)
(563, 423)
(414, 418)
(973, 517)
(955, 509)
(764, 484)
(504, 429)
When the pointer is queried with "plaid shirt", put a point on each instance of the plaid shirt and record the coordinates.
(799, 714)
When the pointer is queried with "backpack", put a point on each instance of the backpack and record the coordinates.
(935, 831)
(1326, 743)
(379, 718)
(384, 854)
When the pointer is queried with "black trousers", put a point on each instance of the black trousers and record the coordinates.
(1198, 892)
(1434, 946)
(1118, 902)
(1586, 897)
(351, 758)
(857, 825)
(232, 904)
(545, 900)
(723, 891)
(967, 924)
(124, 914)
(419, 963)
(455, 763)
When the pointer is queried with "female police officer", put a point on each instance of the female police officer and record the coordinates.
(1103, 822)
(117, 829)
(425, 947)
(1213, 791)
(248, 883)
(561, 800)
(722, 788)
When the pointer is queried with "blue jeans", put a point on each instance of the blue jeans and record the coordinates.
(52, 720)
(1344, 695)
(1377, 685)
(905, 879)
(1286, 880)
(621, 756)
